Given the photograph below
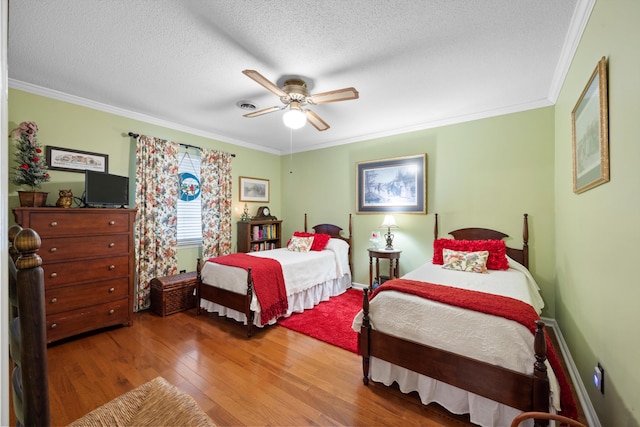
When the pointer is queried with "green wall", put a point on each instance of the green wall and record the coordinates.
(596, 231)
(67, 125)
(484, 173)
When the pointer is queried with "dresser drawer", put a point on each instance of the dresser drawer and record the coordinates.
(75, 296)
(68, 248)
(80, 222)
(68, 323)
(64, 273)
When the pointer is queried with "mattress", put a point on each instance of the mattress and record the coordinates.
(461, 331)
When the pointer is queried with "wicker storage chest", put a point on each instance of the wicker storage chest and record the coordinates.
(172, 294)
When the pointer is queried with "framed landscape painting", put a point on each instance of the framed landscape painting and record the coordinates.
(590, 133)
(392, 185)
(254, 189)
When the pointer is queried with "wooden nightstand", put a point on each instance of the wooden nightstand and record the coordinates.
(392, 255)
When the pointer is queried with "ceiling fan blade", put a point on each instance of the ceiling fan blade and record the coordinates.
(345, 94)
(261, 112)
(316, 121)
(264, 82)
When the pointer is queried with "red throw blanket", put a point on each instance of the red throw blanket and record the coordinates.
(268, 282)
(495, 305)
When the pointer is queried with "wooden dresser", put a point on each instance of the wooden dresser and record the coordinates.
(88, 261)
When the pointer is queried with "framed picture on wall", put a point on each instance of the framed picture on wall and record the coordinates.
(392, 185)
(254, 189)
(590, 133)
(65, 159)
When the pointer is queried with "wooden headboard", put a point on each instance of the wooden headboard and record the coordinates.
(27, 329)
(335, 232)
(475, 233)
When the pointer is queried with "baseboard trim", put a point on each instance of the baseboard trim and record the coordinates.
(360, 286)
(581, 391)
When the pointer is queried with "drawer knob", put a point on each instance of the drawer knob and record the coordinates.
(111, 290)
(54, 223)
(112, 267)
(53, 250)
(112, 311)
(111, 244)
(53, 275)
(112, 222)
(54, 300)
(54, 325)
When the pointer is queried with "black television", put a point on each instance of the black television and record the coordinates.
(105, 190)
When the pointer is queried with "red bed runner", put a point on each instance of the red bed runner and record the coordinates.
(495, 305)
(268, 282)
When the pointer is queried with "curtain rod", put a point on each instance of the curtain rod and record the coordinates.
(135, 135)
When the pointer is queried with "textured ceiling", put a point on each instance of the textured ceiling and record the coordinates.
(416, 63)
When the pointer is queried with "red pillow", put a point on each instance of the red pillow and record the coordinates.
(497, 251)
(320, 240)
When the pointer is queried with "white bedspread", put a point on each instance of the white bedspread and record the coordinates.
(310, 277)
(460, 331)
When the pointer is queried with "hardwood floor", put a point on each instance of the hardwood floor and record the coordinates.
(278, 377)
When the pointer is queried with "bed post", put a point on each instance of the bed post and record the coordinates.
(198, 285)
(541, 387)
(305, 223)
(363, 338)
(247, 309)
(351, 246)
(525, 240)
(435, 228)
(27, 281)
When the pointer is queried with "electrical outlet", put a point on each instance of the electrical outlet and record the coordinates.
(598, 378)
(183, 271)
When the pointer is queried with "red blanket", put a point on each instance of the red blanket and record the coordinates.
(495, 305)
(268, 282)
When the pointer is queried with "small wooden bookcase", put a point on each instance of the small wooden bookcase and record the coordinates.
(259, 235)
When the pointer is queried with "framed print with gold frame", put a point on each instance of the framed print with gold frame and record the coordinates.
(590, 133)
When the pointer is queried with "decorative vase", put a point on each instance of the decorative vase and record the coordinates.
(32, 198)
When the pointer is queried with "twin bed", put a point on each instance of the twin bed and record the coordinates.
(469, 361)
(309, 278)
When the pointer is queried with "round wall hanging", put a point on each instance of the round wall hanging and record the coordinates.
(189, 187)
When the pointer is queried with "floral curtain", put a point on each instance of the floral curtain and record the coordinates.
(156, 221)
(215, 186)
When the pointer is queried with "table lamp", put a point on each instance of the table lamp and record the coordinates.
(389, 223)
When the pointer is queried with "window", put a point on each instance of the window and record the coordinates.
(189, 202)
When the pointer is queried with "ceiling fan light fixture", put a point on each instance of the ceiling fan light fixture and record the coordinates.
(294, 118)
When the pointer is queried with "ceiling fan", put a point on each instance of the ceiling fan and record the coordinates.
(295, 95)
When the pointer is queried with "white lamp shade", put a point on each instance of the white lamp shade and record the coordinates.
(389, 222)
(294, 118)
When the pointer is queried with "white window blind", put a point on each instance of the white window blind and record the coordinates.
(189, 205)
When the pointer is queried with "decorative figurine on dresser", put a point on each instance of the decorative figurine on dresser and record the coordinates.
(88, 261)
(65, 200)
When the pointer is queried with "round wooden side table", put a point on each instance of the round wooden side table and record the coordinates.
(393, 255)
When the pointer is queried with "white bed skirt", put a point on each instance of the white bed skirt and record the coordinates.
(483, 411)
(298, 302)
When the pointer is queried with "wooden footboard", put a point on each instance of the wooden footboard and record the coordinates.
(232, 300)
(515, 389)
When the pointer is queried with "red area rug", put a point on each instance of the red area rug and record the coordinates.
(330, 321)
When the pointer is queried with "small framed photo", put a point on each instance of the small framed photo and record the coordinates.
(254, 189)
(590, 133)
(392, 185)
(65, 159)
